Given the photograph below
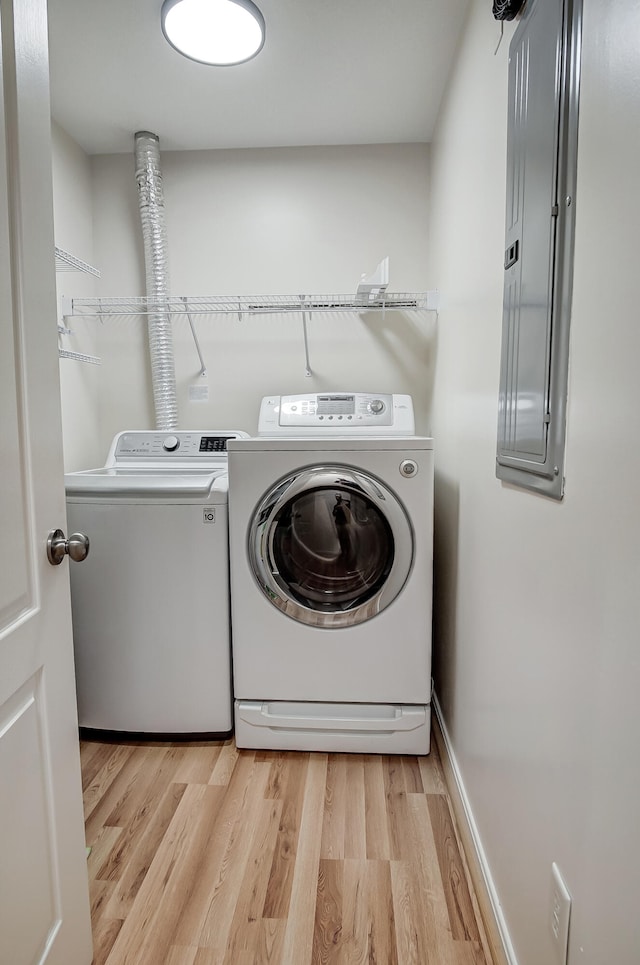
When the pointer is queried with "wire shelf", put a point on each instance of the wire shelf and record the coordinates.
(254, 304)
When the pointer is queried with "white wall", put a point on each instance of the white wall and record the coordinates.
(80, 382)
(536, 643)
(281, 221)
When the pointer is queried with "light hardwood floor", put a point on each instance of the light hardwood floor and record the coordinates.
(206, 855)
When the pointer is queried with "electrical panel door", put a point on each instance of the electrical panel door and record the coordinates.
(538, 243)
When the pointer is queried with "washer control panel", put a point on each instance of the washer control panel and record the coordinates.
(197, 446)
(336, 412)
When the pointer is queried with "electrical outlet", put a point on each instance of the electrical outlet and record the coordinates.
(559, 914)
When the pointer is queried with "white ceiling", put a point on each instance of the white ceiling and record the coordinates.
(331, 72)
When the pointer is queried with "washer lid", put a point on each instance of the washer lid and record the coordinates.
(153, 463)
(119, 481)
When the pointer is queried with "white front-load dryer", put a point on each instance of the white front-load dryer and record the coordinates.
(331, 579)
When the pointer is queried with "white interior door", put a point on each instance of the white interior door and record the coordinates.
(44, 909)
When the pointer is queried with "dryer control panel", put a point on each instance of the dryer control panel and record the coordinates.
(336, 413)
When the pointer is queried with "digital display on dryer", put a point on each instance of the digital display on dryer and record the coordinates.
(336, 405)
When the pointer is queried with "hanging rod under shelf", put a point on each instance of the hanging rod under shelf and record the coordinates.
(254, 304)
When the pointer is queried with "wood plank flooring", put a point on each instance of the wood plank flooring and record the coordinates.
(206, 855)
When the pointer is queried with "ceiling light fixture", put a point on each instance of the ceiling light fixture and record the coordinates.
(218, 32)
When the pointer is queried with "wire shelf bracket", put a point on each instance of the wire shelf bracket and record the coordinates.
(64, 261)
(79, 357)
(68, 262)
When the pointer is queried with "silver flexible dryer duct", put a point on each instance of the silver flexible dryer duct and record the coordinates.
(156, 260)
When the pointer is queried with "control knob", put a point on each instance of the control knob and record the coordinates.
(376, 406)
(171, 443)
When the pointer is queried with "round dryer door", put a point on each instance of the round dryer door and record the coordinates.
(331, 546)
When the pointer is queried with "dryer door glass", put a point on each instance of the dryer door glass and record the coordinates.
(331, 547)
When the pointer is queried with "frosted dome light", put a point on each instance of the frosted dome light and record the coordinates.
(218, 32)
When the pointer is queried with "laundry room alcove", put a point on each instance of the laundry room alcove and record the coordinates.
(217, 332)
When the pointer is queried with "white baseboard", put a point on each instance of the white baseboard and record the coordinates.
(491, 910)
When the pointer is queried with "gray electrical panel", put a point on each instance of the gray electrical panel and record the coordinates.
(541, 169)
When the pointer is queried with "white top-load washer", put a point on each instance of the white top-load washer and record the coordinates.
(151, 601)
(331, 538)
